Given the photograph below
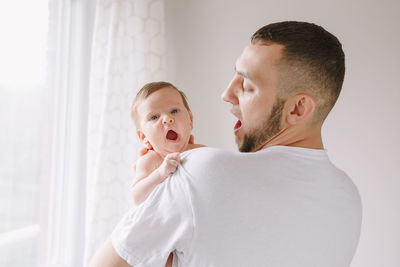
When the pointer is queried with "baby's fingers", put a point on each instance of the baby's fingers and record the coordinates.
(172, 162)
(170, 166)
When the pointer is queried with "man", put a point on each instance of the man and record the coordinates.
(284, 205)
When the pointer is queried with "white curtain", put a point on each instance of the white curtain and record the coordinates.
(128, 51)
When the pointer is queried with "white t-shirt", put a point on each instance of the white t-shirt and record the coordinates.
(278, 207)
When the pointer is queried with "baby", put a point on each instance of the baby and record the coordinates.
(163, 123)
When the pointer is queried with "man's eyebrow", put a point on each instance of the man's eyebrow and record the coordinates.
(242, 73)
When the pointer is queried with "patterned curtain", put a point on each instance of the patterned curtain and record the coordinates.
(128, 51)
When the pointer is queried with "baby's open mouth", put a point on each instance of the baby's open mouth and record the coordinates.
(172, 135)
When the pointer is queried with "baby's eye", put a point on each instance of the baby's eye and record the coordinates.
(153, 118)
(174, 111)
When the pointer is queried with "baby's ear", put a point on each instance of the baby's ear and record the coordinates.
(191, 121)
(140, 135)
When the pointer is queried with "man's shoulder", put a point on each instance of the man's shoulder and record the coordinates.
(206, 154)
(204, 159)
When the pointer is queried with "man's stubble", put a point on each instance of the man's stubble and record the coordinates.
(256, 138)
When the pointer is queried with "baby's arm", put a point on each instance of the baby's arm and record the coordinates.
(152, 170)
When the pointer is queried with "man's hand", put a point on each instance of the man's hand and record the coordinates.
(106, 256)
(191, 139)
(143, 151)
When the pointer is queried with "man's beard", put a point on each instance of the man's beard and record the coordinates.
(270, 127)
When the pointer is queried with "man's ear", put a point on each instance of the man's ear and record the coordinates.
(300, 108)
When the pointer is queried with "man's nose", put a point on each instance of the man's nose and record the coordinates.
(167, 120)
(229, 94)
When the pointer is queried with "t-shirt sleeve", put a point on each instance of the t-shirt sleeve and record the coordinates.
(148, 233)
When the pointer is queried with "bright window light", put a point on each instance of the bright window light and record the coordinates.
(23, 31)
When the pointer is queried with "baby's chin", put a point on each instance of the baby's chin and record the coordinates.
(172, 147)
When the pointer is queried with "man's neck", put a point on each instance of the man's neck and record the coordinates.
(297, 137)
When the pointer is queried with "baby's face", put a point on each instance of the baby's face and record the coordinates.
(164, 121)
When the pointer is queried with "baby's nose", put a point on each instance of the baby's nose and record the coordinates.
(168, 120)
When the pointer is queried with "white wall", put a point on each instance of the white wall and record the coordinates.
(205, 38)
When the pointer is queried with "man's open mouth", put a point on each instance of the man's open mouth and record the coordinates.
(238, 125)
(172, 135)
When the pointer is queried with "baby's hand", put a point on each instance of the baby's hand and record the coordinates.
(169, 165)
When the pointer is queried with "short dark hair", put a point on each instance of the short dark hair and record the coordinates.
(312, 61)
(149, 89)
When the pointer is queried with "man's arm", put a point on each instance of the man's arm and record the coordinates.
(106, 256)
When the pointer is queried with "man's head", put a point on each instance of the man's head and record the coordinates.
(289, 76)
(162, 116)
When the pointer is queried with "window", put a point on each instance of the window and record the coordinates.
(24, 119)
